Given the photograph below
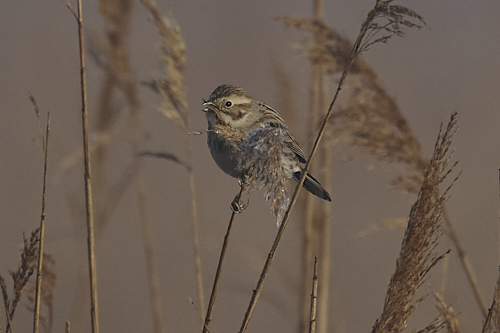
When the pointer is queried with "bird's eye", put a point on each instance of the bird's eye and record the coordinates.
(229, 104)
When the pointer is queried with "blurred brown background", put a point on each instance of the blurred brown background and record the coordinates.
(450, 65)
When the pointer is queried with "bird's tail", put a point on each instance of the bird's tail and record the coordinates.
(313, 186)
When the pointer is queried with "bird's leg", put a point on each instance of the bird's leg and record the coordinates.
(237, 204)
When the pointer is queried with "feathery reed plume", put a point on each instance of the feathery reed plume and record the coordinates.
(383, 10)
(21, 276)
(172, 87)
(371, 119)
(174, 98)
(417, 254)
(372, 122)
(447, 313)
(494, 312)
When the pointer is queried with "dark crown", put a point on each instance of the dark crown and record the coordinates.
(225, 90)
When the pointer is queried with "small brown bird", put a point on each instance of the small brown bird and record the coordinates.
(236, 123)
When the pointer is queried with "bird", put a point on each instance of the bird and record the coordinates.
(239, 127)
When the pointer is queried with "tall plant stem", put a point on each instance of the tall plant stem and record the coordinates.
(36, 317)
(94, 313)
(152, 270)
(309, 232)
(325, 207)
(196, 234)
(256, 293)
(314, 298)
(213, 295)
(464, 260)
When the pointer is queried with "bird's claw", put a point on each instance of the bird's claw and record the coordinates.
(238, 206)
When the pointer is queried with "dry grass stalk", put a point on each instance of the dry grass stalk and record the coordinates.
(174, 98)
(286, 103)
(94, 312)
(371, 121)
(314, 297)
(417, 254)
(5, 297)
(111, 55)
(20, 278)
(46, 292)
(215, 286)
(435, 326)
(447, 313)
(494, 312)
(466, 265)
(324, 222)
(45, 140)
(117, 15)
(313, 228)
(40, 126)
(321, 217)
(382, 10)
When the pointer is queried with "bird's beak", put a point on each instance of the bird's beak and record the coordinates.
(208, 106)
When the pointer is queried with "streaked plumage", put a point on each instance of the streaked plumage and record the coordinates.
(232, 117)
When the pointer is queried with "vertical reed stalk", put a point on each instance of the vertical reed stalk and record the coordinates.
(381, 8)
(314, 297)
(38, 290)
(466, 265)
(218, 272)
(308, 237)
(196, 237)
(87, 176)
(309, 232)
(494, 311)
(148, 235)
(173, 92)
(324, 220)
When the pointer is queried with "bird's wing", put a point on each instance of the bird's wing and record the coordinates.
(272, 117)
